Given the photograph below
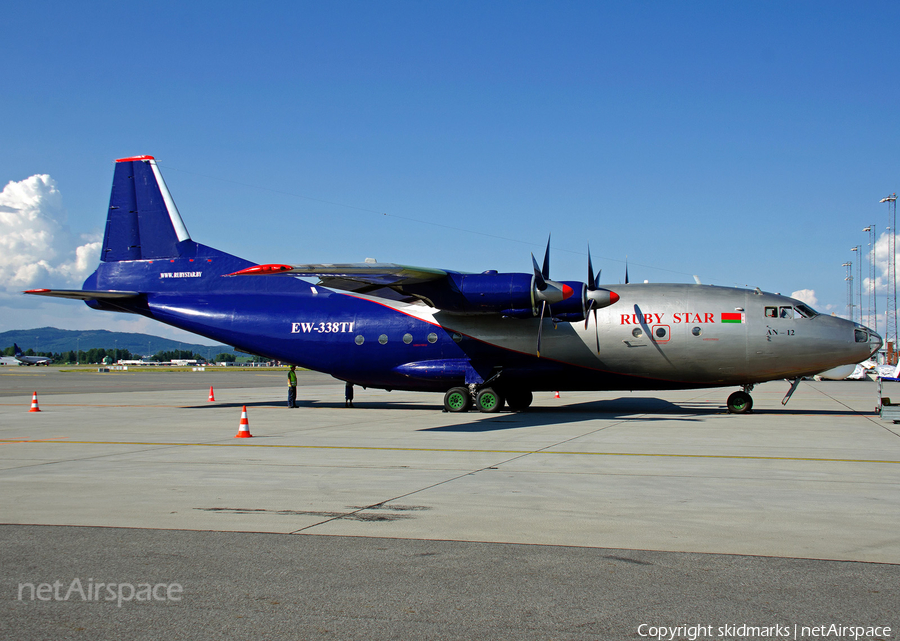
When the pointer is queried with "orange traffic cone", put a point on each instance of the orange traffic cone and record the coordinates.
(212, 397)
(557, 395)
(244, 429)
(34, 405)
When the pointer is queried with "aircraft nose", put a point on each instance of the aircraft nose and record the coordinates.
(875, 342)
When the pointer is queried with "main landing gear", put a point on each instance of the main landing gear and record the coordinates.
(741, 402)
(485, 399)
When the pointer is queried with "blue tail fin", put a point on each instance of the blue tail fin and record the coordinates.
(16, 350)
(143, 222)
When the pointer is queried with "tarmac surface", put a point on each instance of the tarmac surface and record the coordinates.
(586, 517)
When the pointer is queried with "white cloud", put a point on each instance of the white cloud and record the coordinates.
(882, 256)
(807, 296)
(37, 249)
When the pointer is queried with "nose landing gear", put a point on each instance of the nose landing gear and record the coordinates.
(741, 402)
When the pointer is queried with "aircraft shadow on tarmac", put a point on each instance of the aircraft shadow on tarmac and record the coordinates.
(609, 408)
(612, 409)
(625, 407)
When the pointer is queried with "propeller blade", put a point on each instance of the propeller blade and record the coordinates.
(591, 281)
(545, 272)
(541, 328)
(587, 312)
(539, 282)
(596, 331)
(626, 270)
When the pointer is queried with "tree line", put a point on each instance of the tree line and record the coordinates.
(98, 354)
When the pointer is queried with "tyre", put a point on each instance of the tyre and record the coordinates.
(519, 400)
(457, 399)
(740, 403)
(488, 401)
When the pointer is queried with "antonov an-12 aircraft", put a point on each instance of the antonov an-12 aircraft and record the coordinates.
(488, 339)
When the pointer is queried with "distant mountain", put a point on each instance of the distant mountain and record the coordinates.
(50, 339)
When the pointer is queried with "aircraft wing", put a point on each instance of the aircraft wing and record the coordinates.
(382, 274)
(378, 279)
(82, 294)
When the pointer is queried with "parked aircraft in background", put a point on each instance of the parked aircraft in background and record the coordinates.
(30, 360)
(489, 339)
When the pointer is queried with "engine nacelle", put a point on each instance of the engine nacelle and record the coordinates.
(510, 294)
(490, 292)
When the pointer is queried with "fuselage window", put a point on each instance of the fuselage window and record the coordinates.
(360, 339)
(697, 331)
(457, 337)
(771, 312)
(407, 338)
(432, 337)
(636, 332)
(787, 312)
(860, 335)
(383, 339)
(805, 311)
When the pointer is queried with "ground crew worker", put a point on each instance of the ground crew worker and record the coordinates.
(348, 394)
(292, 387)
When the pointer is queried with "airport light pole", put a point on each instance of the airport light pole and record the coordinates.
(849, 279)
(858, 250)
(890, 330)
(873, 275)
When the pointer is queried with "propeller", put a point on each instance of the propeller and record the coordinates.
(595, 298)
(591, 300)
(549, 292)
(546, 291)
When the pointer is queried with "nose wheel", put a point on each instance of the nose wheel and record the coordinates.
(740, 403)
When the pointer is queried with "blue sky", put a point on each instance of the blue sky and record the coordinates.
(747, 143)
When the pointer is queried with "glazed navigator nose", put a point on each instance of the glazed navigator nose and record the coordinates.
(875, 342)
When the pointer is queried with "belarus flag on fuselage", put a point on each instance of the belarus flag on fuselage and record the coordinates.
(732, 317)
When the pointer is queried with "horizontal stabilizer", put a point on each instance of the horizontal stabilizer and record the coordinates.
(82, 294)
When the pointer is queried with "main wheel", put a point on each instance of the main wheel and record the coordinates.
(740, 403)
(457, 399)
(519, 400)
(488, 401)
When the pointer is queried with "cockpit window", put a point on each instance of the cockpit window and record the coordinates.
(786, 312)
(771, 312)
(805, 311)
(860, 335)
